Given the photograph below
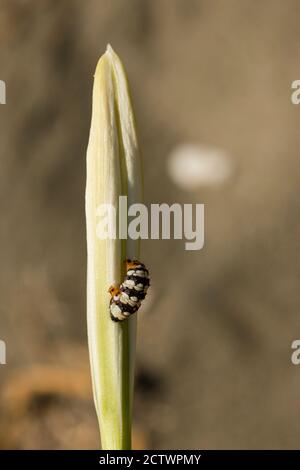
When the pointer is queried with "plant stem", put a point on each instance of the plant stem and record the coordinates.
(113, 169)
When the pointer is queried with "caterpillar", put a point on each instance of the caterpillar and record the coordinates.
(126, 298)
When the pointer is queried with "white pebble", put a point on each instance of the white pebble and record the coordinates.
(192, 166)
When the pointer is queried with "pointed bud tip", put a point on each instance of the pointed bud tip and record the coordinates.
(107, 58)
(109, 49)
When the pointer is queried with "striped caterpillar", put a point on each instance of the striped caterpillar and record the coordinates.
(126, 298)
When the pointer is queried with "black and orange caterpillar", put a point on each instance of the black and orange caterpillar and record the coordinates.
(126, 298)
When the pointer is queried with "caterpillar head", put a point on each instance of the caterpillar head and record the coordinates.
(114, 290)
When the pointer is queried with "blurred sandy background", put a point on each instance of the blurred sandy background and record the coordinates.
(214, 366)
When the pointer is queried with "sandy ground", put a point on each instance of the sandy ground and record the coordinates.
(215, 334)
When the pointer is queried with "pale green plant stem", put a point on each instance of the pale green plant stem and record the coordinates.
(113, 169)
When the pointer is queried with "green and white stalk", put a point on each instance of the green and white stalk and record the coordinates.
(114, 169)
